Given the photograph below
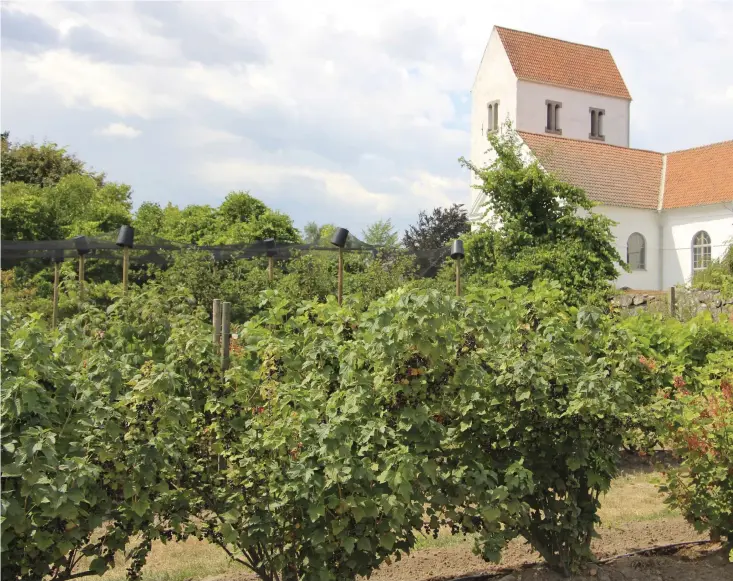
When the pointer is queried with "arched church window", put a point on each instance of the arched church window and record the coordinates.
(701, 250)
(636, 252)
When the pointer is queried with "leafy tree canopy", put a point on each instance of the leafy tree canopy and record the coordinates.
(437, 228)
(381, 233)
(40, 165)
(240, 219)
(539, 227)
(318, 235)
(77, 204)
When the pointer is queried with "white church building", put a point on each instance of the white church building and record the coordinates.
(571, 108)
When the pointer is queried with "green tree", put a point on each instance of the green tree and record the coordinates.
(27, 214)
(380, 233)
(547, 227)
(241, 207)
(148, 219)
(318, 235)
(40, 165)
(436, 229)
(77, 204)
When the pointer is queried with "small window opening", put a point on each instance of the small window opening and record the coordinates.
(553, 117)
(493, 116)
(596, 124)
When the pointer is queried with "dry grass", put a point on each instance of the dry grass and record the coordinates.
(633, 497)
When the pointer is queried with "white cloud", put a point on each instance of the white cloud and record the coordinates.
(119, 130)
(365, 102)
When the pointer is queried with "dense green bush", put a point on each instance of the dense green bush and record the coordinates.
(92, 422)
(671, 354)
(337, 434)
(700, 433)
(538, 227)
(499, 412)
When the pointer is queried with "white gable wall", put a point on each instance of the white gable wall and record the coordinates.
(574, 113)
(681, 225)
(647, 223)
(494, 81)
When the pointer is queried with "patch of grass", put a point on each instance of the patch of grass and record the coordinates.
(634, 496)
(184, 561)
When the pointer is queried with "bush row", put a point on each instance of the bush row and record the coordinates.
(338, 433)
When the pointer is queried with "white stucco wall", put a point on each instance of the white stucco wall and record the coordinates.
(494, 81)
(647, 223)
(531, 112)
(681, 225)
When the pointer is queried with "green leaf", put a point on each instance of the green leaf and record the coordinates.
(315, 511)
(387, 540)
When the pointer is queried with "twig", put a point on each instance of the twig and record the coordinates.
(654, 549)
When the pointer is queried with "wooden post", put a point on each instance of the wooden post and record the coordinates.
(55, 316)
(226, 319)
(458, 277)
(81, 277)
(216, 319)
(341, 275)
(672, 301)
(270, 266)
(125, 268)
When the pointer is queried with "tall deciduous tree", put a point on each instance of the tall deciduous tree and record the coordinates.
(318, 235)
(547, 227)
(40, 165)
(437, 228)
(380, 233)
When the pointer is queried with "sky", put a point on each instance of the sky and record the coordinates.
(336, 112)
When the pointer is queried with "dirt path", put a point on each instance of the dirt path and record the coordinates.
(452, 561)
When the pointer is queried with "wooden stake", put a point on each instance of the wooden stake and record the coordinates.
(125, 268)
(56, 272)
(341, 275)
(81, 277)
(226, 319)
(458, 277)
(216, 319)
(270, 266)
(672, 301)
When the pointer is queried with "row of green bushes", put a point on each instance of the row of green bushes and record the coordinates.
(339, 433)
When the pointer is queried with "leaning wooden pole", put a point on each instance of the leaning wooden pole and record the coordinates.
(341, 276)
(672, 301)
(81, 277)
(226, 321)
(56, 276)
(216, 321)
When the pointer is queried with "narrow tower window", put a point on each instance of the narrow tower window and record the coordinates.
(596, 124)
(493, 116)
(553, 117)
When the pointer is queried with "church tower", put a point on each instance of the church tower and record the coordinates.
(545, 86)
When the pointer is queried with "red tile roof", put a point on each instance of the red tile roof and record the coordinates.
(621, 176)
(699, 176)
(609, 174)
(550, 61)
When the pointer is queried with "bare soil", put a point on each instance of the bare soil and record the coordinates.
(519, 562)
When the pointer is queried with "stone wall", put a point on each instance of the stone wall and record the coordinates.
(688, 303)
